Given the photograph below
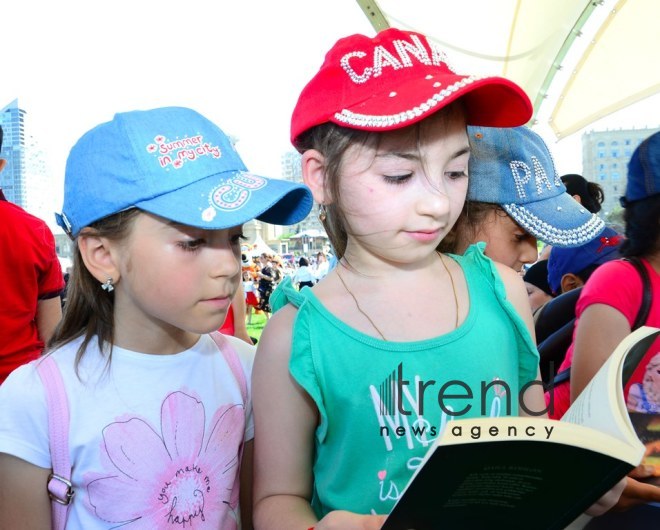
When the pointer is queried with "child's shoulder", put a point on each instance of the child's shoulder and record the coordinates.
(474, 259)
(286, 294)
(477, 267)
(244, 351)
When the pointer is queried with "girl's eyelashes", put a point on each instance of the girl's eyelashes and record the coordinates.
(521, 237)
(454, 175)
(191, 245)
(238, 238)
(400, 179)
(397, 179)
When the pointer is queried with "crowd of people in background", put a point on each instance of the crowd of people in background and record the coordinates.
(262, 273)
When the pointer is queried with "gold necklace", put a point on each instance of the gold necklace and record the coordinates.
(453, 288)
(357, 305)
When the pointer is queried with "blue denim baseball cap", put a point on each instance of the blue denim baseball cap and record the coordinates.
(644, 171)
(174, 163)
(513, 168)
(602, 248)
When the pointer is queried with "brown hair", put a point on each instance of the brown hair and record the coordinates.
(89, 310)
(464, 232)
(333, 141)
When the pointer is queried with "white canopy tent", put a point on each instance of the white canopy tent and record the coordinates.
(609, 47)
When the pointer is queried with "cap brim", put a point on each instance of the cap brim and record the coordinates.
(231, 199)
(560, 221)
(489, 101)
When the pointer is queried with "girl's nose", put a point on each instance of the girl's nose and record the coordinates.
(224, 262)
(530, 251)
(434, 201)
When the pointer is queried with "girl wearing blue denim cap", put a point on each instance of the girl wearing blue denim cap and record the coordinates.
(515, 198)
(156, 425)
(348, 373)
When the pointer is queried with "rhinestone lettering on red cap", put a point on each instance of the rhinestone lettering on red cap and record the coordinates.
(176, 153)
(232, 194)
(382, 58)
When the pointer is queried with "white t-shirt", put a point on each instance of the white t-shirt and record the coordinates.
(322, 270)
(303, 274)
(153, 438)
(248, 287)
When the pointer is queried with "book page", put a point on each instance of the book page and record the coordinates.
(601, 405)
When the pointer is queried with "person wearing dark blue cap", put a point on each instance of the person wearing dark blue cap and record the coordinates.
(567, 271)
(570, 268)
(160, 410)
(619, 298)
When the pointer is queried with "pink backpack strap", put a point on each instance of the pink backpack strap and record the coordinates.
(236, 367)
(60, 489)
(233, 361)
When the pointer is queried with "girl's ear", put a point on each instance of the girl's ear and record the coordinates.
(570, 281)
(313, 172)
(98, 256)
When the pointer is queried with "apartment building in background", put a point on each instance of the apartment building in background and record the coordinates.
(605, 157)
(24, 180)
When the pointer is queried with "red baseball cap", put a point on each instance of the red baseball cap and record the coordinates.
(398, 78)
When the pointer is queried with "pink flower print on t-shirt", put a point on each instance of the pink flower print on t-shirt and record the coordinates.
(177, 480)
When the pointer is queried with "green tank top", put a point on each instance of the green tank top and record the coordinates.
(382, 404)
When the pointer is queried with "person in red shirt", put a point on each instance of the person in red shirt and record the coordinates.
(31, 282)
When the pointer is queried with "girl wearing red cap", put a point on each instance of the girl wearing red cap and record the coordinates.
(348, 375)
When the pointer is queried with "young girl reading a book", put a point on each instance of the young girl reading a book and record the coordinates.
(355, 378)
(160, 411)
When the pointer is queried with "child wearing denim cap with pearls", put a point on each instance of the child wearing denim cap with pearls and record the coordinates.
(382, 132)
(160, 411)
(515, 198)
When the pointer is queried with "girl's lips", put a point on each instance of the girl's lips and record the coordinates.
(424, 236)
(221, 302)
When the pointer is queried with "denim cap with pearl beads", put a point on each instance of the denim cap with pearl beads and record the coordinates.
(175, 163)
(396, 79)
(513, 168)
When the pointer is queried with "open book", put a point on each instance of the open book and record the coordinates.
(520, 472)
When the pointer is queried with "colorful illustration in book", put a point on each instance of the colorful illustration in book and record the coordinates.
(644, 396)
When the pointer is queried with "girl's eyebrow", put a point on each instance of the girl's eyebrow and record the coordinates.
(180, 227)
(177, 225)
(414, 155)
